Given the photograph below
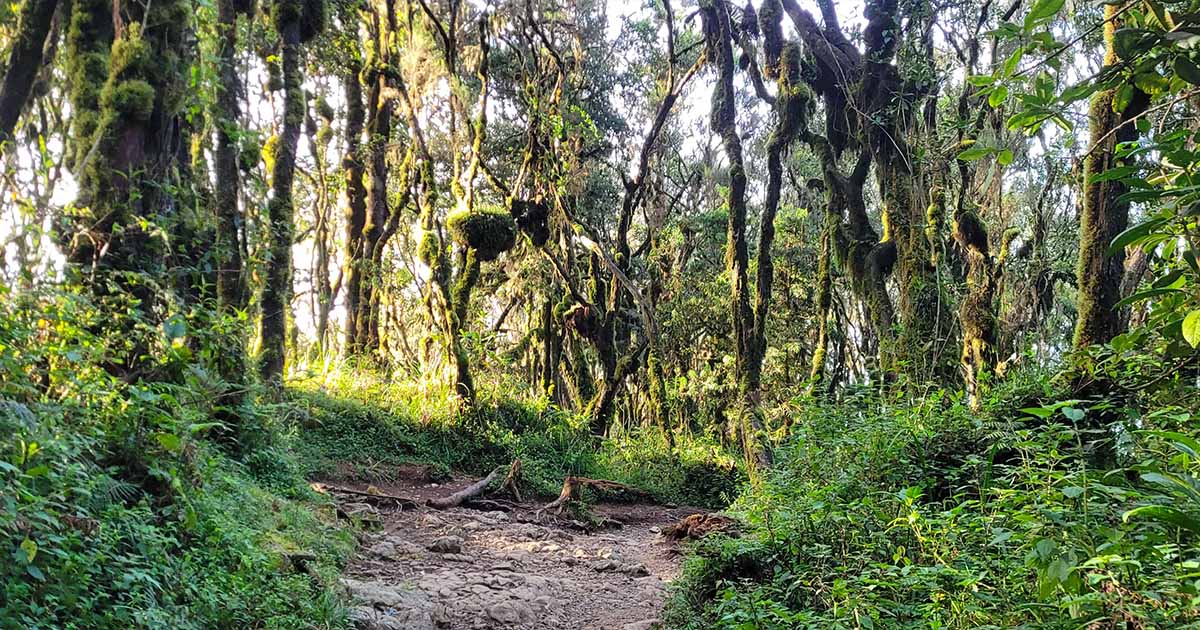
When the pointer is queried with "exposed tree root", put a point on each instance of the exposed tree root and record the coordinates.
(371, 496)
(573, 485)
(512, 479)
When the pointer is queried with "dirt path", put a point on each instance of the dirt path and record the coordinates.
(425, 569)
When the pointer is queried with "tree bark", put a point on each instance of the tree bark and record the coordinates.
(1103, 216)
(277, 290)
(718, 35)
(356, 205)
(24, 62)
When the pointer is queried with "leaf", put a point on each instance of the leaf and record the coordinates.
(1073, 414)
(35, 573)
(175, 327)
(1072, 492)
(974, 153)
(1150, 82)
(1005, 157)
(1014, 60)
(1122, 98)
(1042, 10)
(1131, 235)
(30, 548)
(1165, 514)
(1117, 172)
(169, 441)
(1182, 443)
(1191, 328)
(1187, 70)
(38, 471)
(996, 98)
(1040, 412)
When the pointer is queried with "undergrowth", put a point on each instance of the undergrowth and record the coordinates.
(902, 513)
(353, 422)
(117, 510)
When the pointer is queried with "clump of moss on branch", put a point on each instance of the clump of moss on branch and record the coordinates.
(489, 231)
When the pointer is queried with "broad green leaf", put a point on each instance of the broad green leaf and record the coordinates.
(1005, 157)
(1166, 514)
(996, 98)
(1187, 70)
(1122, 98)
(1042, 10)
(1073, 414)
(30, 548)
(1182, 443)
(1132, 235)
(169, 441)
(1040, 412)
(1191, 328)
(974, 153)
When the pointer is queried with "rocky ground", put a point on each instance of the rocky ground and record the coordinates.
(512, 568)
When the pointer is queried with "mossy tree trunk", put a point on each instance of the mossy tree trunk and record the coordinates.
(1103, 216)
(277, 288)
(89, 40)
(227, 251)
(356, 204)
(718, 33)
(132, 164)
(24, 62)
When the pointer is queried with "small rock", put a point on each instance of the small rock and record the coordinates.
(605, 565)
(510, 612)
(446, 544)
(648, 624)
(635, 569)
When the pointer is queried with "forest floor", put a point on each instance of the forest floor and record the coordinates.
(505, 564)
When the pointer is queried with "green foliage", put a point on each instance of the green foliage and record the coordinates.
(991, 520)
(117, 512)
(358, 424)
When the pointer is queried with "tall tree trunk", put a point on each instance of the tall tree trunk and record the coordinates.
(1103, 216)
(718, 32)
(356, 205)
(89, 39)
(24, 62)
(277, 289)
(227, 253)
(131, 174)
(378, 216)
(824, 298)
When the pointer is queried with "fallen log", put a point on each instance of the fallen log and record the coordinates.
(375, 498)
(573, 485)
(471, 491)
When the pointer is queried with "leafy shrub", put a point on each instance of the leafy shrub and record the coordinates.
(870, 522)
(117, 512)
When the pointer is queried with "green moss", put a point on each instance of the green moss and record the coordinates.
(249, 153)
(1006, 241)
(133, 99)
(427, 250)
(324, 109)
(489, 231)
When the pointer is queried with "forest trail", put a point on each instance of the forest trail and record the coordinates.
(421, 568)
